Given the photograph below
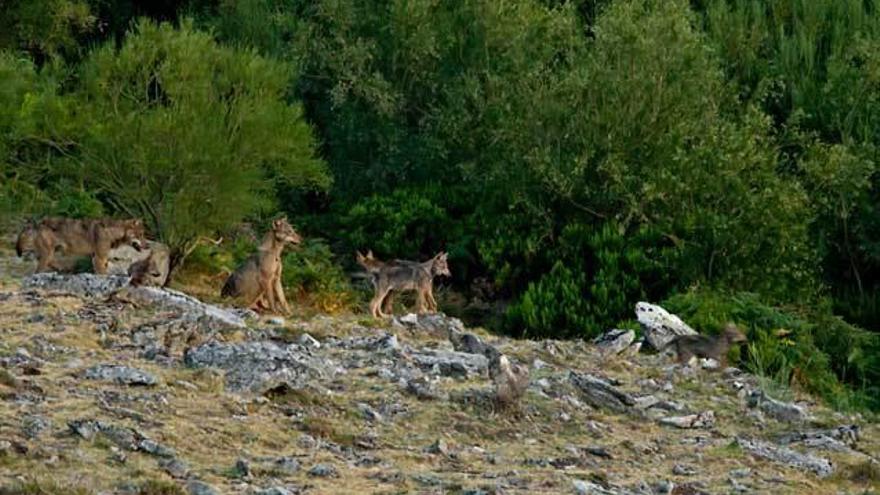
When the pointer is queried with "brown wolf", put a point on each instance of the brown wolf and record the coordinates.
(82, 237)
(258, 279)
(25, 242)
(152, 270)
(688, 346)
(373, 265)
(403, 275)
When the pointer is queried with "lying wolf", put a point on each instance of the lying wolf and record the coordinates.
(78, 237)
(258, 280)
(403, 275)
(703, 346)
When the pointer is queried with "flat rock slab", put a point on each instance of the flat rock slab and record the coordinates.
(782, 411)
(120, 374)
(190, 307)
(124, 437)
(257, 367)
(601, 394)
(450, 363)
(80, 284)
(660, 326)
(819, 466)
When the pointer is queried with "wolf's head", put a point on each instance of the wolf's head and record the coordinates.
(284, 232)
(368, 261)
(134, 234)
(734, 334)
(439, 265)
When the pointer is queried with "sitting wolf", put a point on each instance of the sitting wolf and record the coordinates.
(79, 237)
(403, 275)
(258, 279)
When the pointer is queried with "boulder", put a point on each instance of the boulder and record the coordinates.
(601, 394)
(257, 367)
(189, 307)
(450, 363)
(782, 411)
(79, 284)
(819, 466)
(120, 374)
(660, 326)
(614, 341)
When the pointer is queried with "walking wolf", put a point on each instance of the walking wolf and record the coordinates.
(79, 237)
(403, 275)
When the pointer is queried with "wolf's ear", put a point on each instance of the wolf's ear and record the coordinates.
(358, 256)
(369, 254)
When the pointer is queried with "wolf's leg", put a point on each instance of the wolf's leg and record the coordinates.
(279, 292)
(388, 303)
(45, 252)
(432, 303)
(421, 300)
(376, 303)
(99, 258)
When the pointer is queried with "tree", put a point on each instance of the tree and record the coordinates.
(189, 135)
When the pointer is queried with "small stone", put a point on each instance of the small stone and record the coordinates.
(196, 487)
(409, 319)
(175, 468)
(682, 470)
(664, 487)
(614, 341)
(323, 471)
(307, 441)
(307, 340)
(275, 490)
(275, 320)
(438, 447)
(704, 419)
(286, 465)
(369, 413)
(739, 473)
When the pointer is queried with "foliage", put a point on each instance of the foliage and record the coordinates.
(188, 135)
(312, 272)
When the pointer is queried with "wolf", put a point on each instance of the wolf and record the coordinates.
(403, 275)
(702, 346)
(152, 270)
(258, 279)
(79, 237)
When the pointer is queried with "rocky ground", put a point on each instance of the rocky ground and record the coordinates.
(145, 392)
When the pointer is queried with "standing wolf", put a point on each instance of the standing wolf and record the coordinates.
(79, 237)
(403, 275)
(258, 279)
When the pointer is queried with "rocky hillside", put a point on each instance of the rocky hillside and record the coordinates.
(142, 391)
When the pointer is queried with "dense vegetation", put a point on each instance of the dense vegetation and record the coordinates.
(572, 156)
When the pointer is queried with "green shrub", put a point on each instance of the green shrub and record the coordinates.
(311, 271)
(809, 350)
(404, 224)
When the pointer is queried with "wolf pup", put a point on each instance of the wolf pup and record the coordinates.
(373, 266)
(81, 237)
(258, 279)
(402, 275)
(702, 346)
